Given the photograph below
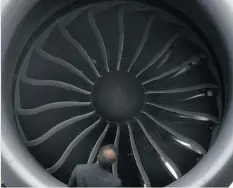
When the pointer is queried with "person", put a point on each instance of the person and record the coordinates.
(98, 174)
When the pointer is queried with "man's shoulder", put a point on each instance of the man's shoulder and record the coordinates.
(117, 182)
(84, 167)
(113, 178)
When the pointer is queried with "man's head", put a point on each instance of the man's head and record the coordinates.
(107, 156)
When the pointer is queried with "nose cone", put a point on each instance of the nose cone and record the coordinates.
(118, 96)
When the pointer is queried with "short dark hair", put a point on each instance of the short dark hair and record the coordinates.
(103, 160)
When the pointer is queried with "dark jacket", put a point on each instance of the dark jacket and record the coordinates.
(92, 175)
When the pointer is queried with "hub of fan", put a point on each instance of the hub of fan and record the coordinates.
(118, 96)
